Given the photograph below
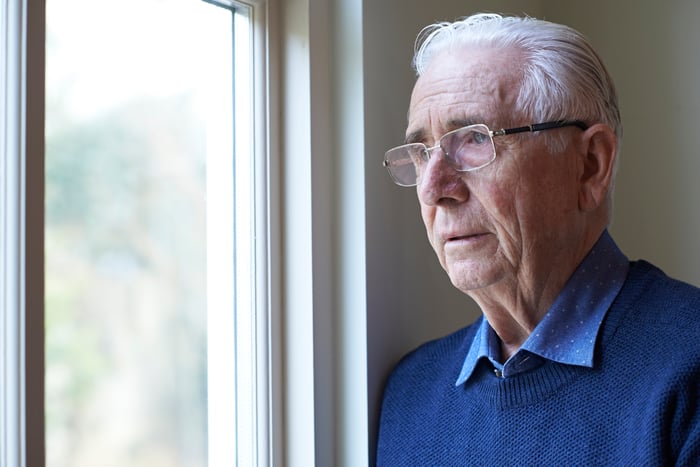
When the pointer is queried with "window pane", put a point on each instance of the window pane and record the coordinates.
(139, 232)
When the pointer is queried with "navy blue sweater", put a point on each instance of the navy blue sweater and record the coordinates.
(638, 405)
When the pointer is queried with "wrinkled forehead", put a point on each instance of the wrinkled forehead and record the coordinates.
(465, 85)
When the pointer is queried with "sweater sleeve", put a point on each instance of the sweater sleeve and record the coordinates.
(689, 424)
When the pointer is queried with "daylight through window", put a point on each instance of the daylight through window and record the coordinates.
(150, 264)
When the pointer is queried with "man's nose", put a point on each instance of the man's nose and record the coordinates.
(440, 181)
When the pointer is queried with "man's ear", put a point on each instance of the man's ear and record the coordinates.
(598, 154)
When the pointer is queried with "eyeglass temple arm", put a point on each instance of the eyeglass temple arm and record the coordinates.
(541, 127)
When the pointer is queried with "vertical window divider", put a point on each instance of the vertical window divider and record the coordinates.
(22, 34)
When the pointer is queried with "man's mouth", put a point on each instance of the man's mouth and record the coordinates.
(465, 238)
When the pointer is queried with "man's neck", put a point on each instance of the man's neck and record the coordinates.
(514, 309)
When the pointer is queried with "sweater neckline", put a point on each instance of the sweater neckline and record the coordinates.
(525, 388)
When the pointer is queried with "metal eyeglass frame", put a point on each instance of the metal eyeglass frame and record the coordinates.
(502, 132)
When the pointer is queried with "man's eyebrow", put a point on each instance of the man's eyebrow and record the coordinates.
(462, 122)
(418, 136)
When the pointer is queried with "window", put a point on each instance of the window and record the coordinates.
(310, 406)
(150, 229)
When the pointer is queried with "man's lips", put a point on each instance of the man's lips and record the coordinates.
(464, 237)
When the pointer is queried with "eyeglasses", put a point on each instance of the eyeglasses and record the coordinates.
(466, 149)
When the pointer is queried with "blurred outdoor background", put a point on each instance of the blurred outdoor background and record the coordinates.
(129, 85)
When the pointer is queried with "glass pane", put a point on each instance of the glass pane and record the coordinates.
(139, 232)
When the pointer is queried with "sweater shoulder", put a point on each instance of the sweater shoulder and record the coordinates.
(657, 314)
(646, 273)
(651, 294)
(443, 355)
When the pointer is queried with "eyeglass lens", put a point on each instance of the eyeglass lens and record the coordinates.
(465, 149)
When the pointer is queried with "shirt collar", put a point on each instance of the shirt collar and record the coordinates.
(568, 331)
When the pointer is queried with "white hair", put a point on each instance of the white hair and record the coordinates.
(563, 78)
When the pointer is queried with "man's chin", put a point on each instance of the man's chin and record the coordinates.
(469, 275)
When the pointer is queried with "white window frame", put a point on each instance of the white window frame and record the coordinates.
(264, 249)
(324, 395)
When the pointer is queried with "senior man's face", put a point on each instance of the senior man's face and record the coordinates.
(504, 223)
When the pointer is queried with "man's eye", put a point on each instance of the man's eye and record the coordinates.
(476, 137)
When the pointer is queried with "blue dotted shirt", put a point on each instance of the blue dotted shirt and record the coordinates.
(568, 331)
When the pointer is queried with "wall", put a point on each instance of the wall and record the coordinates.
(651, 51)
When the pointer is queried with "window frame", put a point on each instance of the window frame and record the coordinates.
(264, 228)
(323, 325)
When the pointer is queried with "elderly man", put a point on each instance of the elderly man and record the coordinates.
(581, 357)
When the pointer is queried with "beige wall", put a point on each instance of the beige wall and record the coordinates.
(651, 49)
(653, 52)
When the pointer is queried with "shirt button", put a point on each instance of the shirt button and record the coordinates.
(498, 372)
